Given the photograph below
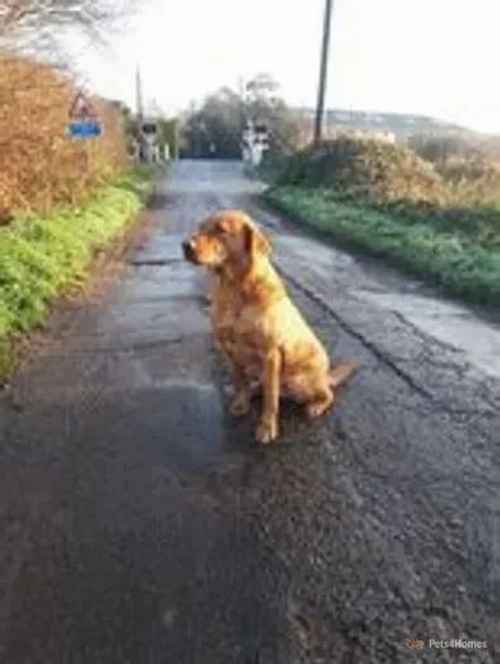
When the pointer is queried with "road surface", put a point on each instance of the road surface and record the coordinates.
(140, 524)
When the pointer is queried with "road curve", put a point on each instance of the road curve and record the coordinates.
(140, 524)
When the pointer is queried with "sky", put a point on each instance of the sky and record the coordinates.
(431, 57)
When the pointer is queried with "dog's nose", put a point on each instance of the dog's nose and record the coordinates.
(187, 248)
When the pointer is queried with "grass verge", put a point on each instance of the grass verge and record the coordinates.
(42, 257)
(459, 262)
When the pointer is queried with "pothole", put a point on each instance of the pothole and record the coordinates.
(156, 262)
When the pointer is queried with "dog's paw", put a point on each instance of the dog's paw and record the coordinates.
(267, 431)
(240, 405)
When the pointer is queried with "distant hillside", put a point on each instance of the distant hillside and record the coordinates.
(402, 125)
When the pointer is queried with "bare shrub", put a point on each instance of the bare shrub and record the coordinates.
(367, 169)
(474, 182)
(36, 26)
(466, 164)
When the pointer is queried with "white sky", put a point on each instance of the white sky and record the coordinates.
(435, 57)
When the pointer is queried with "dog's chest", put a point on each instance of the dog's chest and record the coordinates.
(236, 330)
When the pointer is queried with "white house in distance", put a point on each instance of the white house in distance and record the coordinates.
(255, 141)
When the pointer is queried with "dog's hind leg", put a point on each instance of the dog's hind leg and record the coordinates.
(324, 396)
(322, 401)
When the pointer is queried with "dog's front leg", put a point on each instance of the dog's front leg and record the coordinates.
(241, 402)
(267, 430)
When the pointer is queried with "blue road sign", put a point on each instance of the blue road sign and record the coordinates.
(85, 129)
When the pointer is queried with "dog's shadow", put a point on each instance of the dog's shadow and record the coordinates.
(295, 428)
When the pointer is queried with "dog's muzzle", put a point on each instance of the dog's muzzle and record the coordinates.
(189, 253)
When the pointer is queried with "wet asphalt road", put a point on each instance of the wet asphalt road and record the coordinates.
(139, 523)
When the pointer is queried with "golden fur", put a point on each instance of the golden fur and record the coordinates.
(268, 343)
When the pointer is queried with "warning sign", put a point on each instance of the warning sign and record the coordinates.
(82, 108)
(84, 120)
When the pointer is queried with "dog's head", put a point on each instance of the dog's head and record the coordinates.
(227, 237)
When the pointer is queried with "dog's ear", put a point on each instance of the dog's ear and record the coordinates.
(224, 224)
(256, 242)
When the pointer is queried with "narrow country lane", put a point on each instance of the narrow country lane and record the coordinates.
(140, 524)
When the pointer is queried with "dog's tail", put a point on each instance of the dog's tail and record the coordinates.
(342, 373)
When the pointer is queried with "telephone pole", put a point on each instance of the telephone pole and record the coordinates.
(320, 110)
(138, 94)
(140, 112)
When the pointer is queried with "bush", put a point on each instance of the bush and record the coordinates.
(474, 182)
(41, 257)
(439, 221)
(466, 164)
(39, 165)
(368, 169)
(273, 166)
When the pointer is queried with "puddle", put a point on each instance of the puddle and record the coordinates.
(156, 262)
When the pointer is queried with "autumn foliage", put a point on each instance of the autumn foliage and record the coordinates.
(40, 166)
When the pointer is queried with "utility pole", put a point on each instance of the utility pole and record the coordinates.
(320, 110)
(140, 111)
(138, 94)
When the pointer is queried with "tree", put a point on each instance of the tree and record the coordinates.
(263, 105)
(216, 128)
(36, 25)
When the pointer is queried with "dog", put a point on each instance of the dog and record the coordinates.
(270, 346)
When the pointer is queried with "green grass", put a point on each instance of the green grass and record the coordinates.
(464, 263)
(41, 257)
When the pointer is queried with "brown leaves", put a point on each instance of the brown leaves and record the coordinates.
(39, 165)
